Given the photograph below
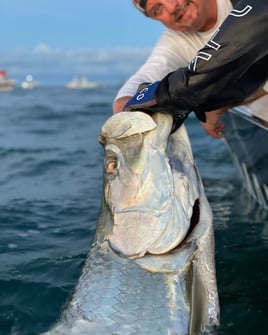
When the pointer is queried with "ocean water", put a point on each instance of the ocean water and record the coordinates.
(51, 185)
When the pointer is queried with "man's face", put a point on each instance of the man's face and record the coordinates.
(183, 15)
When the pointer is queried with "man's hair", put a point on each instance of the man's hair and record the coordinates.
(140, 5)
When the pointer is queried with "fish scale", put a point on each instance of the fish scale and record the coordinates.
(112, 297)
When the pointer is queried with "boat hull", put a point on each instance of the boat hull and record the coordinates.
(7, 85)
(246, 136)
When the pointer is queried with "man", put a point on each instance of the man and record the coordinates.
(190, 25)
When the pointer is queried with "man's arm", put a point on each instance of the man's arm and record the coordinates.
(214, 126)
(232, 66)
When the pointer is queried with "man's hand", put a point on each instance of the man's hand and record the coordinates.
(119, 104)
(154, 97)
(144, 99)
(213, 125)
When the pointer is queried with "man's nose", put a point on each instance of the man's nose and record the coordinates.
(171, 5)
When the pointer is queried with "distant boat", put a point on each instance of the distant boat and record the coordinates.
(6, 84)
(29, 83)
(82, 83)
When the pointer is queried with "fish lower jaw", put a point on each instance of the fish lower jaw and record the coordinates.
(138, 233)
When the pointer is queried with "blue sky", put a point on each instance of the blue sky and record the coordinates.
(55, 40)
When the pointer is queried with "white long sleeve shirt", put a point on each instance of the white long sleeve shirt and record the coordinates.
(173, 50)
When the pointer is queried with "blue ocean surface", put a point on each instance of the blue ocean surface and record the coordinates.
(51, 188)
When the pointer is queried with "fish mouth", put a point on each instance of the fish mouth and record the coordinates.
(148, 235)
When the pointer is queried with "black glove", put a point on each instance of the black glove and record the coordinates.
(151, 97)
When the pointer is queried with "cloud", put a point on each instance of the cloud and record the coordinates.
(42, 48)
(51, 66)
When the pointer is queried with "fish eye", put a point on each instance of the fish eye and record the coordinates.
(111, 166)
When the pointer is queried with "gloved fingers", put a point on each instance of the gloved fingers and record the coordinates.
(142, 86)
(143, 99)
(145, 106)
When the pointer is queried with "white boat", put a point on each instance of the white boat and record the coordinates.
(6, 84)
(82, 83)
(246, 136)
(29, 82)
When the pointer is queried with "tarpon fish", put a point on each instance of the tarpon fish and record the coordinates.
(150, 269)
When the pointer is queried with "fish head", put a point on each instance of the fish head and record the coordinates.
(150, 196)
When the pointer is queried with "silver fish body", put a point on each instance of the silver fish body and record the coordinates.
(150, 269)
